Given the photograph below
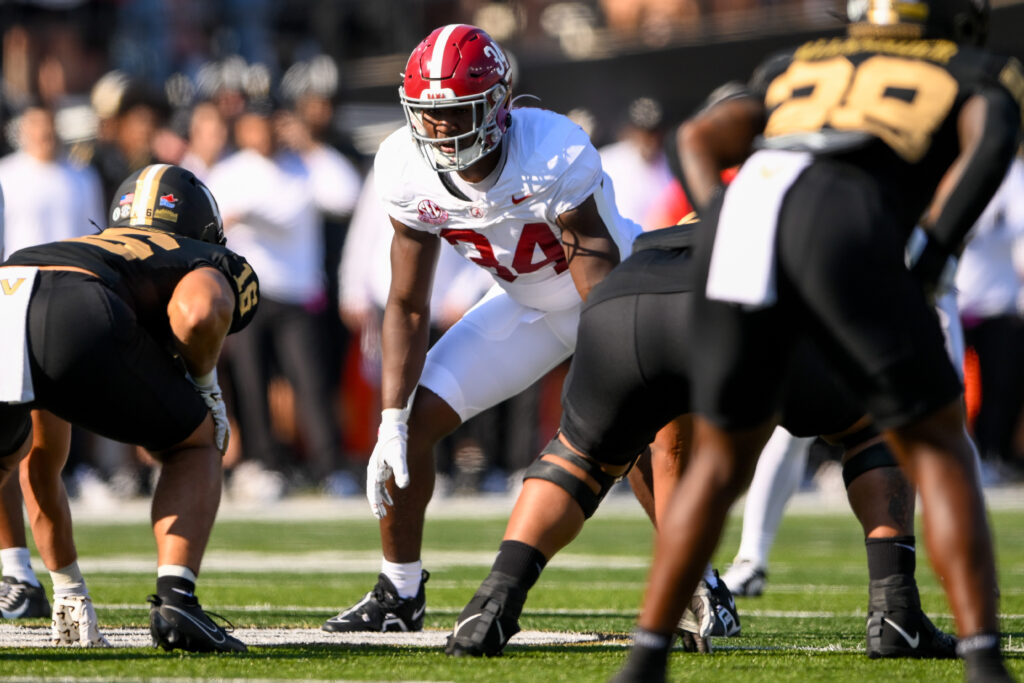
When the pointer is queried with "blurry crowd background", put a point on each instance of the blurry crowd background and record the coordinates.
(259, 99)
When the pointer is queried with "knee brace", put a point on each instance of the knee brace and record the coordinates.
(577, 488)
(873, 456)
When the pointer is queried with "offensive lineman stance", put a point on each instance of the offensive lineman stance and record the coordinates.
(520, 193)
(122, 331)
(900, 122)
(630, 375)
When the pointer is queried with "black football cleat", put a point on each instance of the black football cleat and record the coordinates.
(727, 618)
(22, 600)
(489, 620)
(187, 627)
(382, 610)
(897, 627)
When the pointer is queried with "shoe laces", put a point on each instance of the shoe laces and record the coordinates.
(11, 593)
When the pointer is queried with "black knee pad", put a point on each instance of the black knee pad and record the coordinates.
(576, 487)
(873, 456)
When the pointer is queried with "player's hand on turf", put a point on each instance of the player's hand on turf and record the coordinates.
(209, 389)
(388, 458)
(74, 623)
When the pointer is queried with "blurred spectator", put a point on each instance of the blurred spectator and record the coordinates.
(636, 163)
(207, 140)
(271, 198)
(48, 199)
(989, 296)
(126, 144)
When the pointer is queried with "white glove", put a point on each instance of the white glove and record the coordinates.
(698, 620)
(74, 622)
(209, 389)
(389, 457)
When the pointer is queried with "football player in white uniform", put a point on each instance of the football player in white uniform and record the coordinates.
(521, 194)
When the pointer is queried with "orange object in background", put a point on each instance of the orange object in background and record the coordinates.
(972, 385)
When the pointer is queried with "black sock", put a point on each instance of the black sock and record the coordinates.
(649, 654)
(176, 590)
(982, 658)
(888, 556)
(522, 562)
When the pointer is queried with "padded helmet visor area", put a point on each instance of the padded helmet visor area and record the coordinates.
(482, 133)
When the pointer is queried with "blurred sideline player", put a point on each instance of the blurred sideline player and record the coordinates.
(134, 318)
(630, 375)
(520, 193)
(863, 137)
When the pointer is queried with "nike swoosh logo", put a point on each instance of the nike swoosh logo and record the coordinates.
(912, 642)
(460, 624)
(15, 613)
(904, 545)
(419, 613)
(517, 200)
(215, 633)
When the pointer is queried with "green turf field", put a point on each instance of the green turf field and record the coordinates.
(809, 625)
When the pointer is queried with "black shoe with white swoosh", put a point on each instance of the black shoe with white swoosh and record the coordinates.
(187, 627)
(382, 610)
(22, 600)
(897, 626)
(491, 618)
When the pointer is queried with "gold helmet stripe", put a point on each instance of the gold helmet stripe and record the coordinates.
(146, 194)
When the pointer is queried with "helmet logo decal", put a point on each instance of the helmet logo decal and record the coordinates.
(126, 199)
(168, 201)
(145, 194)
(494, 53)
(431, 213)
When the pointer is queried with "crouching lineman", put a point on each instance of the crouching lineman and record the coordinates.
(858, 139)
(631, 375)
(121, 335)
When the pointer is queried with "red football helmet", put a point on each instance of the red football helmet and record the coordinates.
(457, 66)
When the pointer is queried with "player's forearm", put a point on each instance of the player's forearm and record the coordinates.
(988, 131)
(404, 340)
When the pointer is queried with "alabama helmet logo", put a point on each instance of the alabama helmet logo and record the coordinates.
(431, 213)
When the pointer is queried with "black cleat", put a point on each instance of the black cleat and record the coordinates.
(187, 627)
(727, 618)
(897, 627)
(382, 610)
(746, 578)
(489, 620)
(22, 600)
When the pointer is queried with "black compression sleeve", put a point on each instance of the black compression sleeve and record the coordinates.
(983, 173)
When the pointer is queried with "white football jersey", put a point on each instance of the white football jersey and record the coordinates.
(511, 229)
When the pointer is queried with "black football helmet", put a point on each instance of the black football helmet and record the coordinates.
(168, 198)
(962, 21)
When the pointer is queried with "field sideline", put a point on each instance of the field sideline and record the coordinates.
(277, 573)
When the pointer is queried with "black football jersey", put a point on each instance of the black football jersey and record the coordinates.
(144, 266)
(892, 105)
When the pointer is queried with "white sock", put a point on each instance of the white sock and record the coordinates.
(405, 576)
(17, 563)
(778, 473)
(709, 577)
(68, 581)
